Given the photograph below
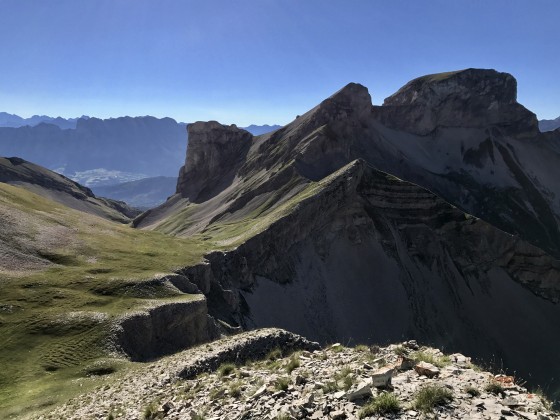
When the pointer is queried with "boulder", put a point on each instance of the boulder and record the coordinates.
(426, 369)
(404, 363)
(360, 391)
(381, 378)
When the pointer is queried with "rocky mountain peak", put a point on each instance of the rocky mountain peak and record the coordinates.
(432, 89)
(352, 99)
(354, 96)
(465, 98)
(214, 151)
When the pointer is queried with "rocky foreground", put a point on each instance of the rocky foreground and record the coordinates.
(273, 374)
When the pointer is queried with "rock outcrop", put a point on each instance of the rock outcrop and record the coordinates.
(371, 250)
(164, 328)
(468, 98)
(491, 163)
(215, 152)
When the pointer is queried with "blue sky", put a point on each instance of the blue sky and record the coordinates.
(260, 61)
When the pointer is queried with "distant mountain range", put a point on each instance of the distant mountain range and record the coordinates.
(141, 194)
(96, 151)
(257, 130)
(12, 120)
(549, 125)
(142, 146)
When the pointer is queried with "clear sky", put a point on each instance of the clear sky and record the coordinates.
(260, 61)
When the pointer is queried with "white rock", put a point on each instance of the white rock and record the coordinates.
(426, 369)
(338, 395)
(381, 378)
(259, 391)
(360, 391)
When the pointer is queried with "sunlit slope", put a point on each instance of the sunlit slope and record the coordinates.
(65, 275)
(53, 186)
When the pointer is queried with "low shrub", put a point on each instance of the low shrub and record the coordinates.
(226, 369)
(430, 396)
(385, 403)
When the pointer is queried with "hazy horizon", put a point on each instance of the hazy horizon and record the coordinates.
(26, 117)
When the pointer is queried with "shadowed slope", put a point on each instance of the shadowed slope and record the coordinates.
(366, 257)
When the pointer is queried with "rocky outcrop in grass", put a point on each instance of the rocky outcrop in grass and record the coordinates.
(164, 328)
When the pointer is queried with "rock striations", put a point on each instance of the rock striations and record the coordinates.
(433, 217)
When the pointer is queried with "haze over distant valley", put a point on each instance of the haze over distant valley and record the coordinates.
(549, 125)
(101, 152)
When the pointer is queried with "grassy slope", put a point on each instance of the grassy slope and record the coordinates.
(61, 315)
(54, 321)
(232, 232)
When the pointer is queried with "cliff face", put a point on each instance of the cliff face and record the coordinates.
(461, 135)
(215, 151)
(467, 98)
(164, 329)
(372, 258)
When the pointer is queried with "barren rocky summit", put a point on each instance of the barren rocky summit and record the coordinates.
(274, 374)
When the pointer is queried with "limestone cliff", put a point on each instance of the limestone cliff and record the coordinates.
(215, 151)
(467, 98)
(164, 328)
(371, 258)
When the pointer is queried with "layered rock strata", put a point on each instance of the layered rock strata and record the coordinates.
(164, 328)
